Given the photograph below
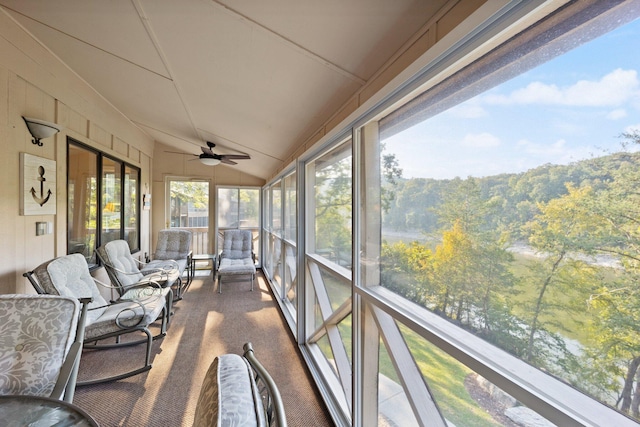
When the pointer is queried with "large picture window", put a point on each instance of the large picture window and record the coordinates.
(103, 201)
(508, 209)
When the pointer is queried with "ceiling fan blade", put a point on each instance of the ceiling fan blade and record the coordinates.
(227, 161)
(179, 152)
(207, 151)
(236, 156)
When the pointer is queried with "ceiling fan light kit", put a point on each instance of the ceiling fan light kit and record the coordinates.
(209, 161)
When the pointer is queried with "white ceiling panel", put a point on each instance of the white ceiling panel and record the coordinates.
(356, 35)
(113, 27)
(252, 76)
(132, 89)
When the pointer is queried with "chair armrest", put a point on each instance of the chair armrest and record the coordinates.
(164, 266)
(150, 286)
(272, 401)
(73, 357)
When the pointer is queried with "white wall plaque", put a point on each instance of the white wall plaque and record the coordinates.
(37, 185)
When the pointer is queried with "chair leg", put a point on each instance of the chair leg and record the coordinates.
(166, 318)
(145, 368)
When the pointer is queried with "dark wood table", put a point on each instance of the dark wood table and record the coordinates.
(34, 411)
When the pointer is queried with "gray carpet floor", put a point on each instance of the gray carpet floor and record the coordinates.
(205, 324)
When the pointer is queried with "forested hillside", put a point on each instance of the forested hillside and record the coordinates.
(555, 306)
(513, 198)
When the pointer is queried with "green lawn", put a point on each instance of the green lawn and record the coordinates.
(445, 377)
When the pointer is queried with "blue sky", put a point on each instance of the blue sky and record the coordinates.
(570, 108)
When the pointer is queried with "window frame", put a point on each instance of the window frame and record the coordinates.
(100, 156)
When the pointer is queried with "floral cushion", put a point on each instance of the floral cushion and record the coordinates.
(36, 332)
(229, 396)
(173, 244)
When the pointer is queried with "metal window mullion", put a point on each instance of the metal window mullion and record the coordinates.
(283, 202)
(306, 205)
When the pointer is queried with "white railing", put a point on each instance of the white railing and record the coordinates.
(200, 243)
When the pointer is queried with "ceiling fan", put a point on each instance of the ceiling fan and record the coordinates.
(208, 157)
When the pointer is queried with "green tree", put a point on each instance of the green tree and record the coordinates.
(616, 340)
(391, 173)
(561, 230)
(406, 269)
(333, 188)
(470, 265)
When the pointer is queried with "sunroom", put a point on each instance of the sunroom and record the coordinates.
(448, 228)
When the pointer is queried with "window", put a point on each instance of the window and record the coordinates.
(330, 178)
(103, 194)
(239, 207)
(280, 231)
(506, 211)
(328, 290)
(188, 207)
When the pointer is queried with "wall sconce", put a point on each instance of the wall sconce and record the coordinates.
(209, 161)
(40, 129)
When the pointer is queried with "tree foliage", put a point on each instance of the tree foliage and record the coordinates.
(568, 215)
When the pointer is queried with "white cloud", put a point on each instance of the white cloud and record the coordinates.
(468, 111)
(614, 89)
(481, 140)
(618, 113)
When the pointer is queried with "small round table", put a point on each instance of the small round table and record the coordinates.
(42, 412)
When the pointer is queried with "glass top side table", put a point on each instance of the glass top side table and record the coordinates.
(35, 411)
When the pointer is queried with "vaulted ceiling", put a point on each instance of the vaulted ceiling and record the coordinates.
(252, 76)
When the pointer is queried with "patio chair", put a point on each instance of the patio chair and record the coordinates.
(140, 306)
(126, 271)
(39, 345)
(174, 244)
(237, 257)
(238, 390)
